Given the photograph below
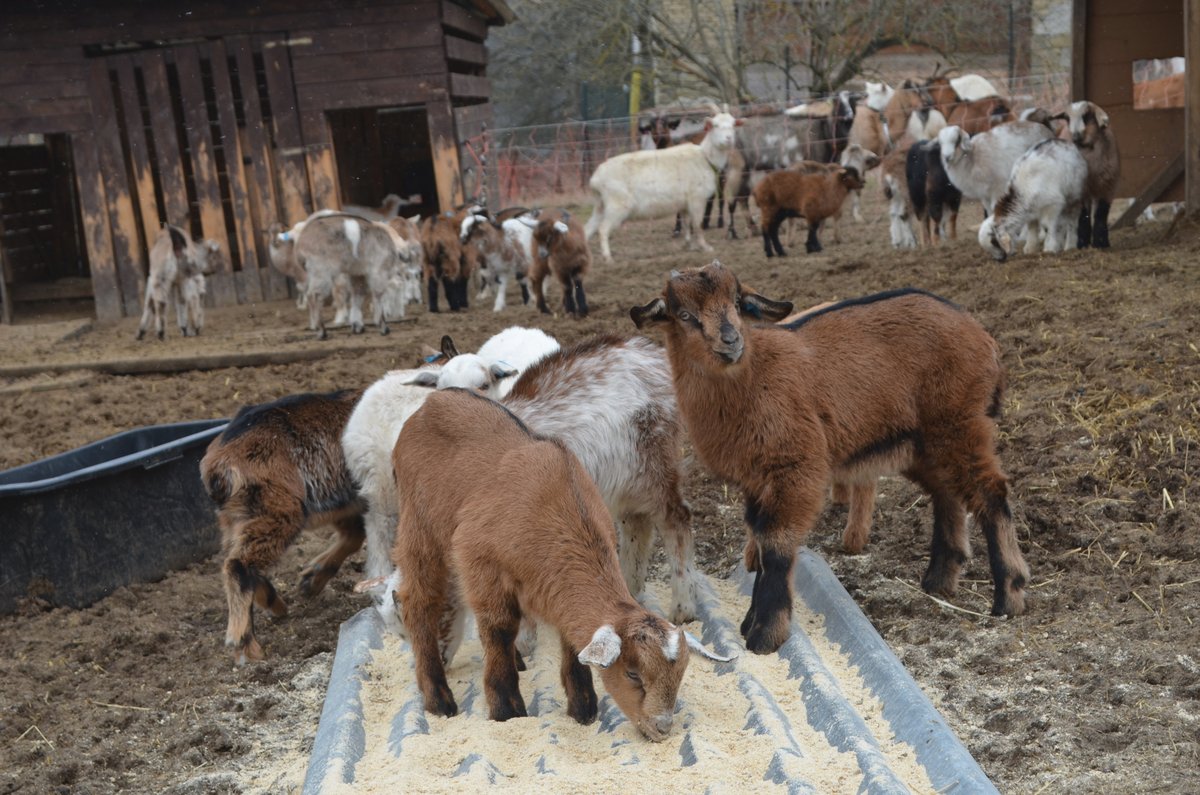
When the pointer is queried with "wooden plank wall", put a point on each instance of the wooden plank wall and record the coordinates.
(1117, 33)
(227, 132)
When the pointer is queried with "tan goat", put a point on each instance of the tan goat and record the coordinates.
(513, 521)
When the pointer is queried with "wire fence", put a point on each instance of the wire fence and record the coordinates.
(552, 163)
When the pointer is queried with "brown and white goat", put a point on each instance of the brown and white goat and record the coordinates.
(277, 469)
(895, 382)
(1087, 124)
(813, 197)
(560, 248)
(502, 257)
(513, 521)
(177, 269)
(446, 259)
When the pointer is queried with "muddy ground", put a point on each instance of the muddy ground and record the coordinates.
(1096, 689)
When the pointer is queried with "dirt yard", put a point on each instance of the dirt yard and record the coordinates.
(1096, 689)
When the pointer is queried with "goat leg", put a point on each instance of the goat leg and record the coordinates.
(1084, 237)
(1100, 228)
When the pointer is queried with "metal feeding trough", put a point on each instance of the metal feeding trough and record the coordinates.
(129, 508)
(787, 716)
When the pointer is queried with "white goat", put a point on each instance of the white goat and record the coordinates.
(981, 165)
(1045, 195)
(492, 369)
(662, 182)
(972, 87)
(177, 268)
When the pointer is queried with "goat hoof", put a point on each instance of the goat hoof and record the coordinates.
(162, 335)
(313, 580)
(357, 328)
(766, 638)
(441, 702)
(141, 333)
(322, 334)
(384, 330)
(583, 708)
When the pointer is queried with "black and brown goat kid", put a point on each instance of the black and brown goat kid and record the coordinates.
(277, 469)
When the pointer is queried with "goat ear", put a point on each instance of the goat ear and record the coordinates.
(1101, 116)
(760, 308)
(872, 162)
(448, 348)
(1060, 117)
(500, 371)
(424, 378)
(650, 314)
(604, 649)
(695, 645)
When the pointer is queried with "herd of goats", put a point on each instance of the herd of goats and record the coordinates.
(525, 482)
(1045, 179)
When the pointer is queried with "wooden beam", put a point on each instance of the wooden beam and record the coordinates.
(178, 364)
(127, 249)
(319, 156)
(444, 143)
(204, 169)
(94, 211)
(470, 86)
(139, 153)
(6, 310)
(1191, 100)
(1156, 188)
(166, 143)
(261, 185)
(1078, 50)
(251, 288)
(460, 20)
(289, 143)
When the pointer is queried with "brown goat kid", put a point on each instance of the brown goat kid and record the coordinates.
(813, 197)
(277, 469)
(446, 259)
(560, 248)
(514, 521)
(896, 382)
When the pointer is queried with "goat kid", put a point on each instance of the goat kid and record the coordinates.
(275, 470)
(514, 521)
(784, 411)
(177, 269)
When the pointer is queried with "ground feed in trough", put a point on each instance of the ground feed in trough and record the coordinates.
(833, 711)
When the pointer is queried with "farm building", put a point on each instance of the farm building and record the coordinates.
(117, 117)
(1160, 142)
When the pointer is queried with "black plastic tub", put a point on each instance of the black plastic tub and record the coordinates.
(129, 508)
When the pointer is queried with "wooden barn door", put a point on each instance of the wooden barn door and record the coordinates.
(205, 136)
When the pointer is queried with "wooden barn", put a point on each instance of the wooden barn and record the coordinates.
(1160, 142)
(118, 116)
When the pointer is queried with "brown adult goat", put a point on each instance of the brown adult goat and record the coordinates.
(896, 382)
(514, 521)
(277, 469)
